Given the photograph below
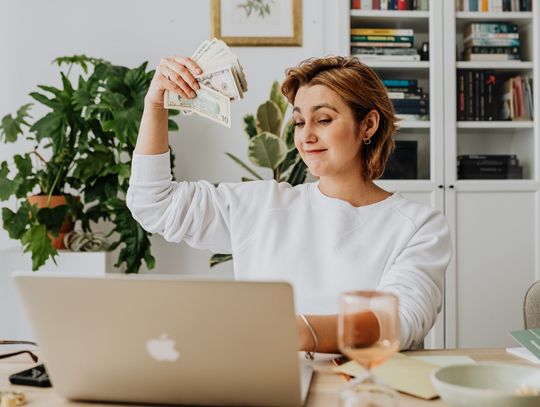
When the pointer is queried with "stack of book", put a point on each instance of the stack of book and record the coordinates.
(489, 166)
(390, 4)
(517, 100)
(403, 163)
(491, 42)
(383, 44)
(494, 5)
(484, 96)
(410, 102)
(478, 95)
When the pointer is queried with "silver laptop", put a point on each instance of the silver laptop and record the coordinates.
(167, 339)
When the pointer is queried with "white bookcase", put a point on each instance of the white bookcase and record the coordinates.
(495, 223)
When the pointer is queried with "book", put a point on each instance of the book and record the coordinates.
(405, 95)
(501, 27)
(530, 338)
(387, 58)
(400, 82)
(410, 103)
(493, 50)
(382, 31)
(490, 57)
(493, 42)
(381, 44)
(383, 51)
(383, 38)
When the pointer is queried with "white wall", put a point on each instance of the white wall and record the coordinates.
(128, 32)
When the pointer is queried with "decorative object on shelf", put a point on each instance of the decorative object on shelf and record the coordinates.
(271, 145)
(87, 135)
(424, 51)
(258, 22)
(78, 241)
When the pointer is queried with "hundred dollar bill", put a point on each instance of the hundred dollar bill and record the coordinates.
(208, 103)
(224, 81)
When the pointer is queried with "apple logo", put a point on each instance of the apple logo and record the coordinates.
(162, 349)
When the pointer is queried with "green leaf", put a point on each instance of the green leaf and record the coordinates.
(250, 125)
(269, 118)
(44, 100)
(291, 159)
(219, 258)
(11, 127)
(298, 174)
(173, 126)
(36, 241)
(276, 97)
(52, 218)
(7, 186)
(15, 223)
(288, 134)
(244, 166)
(267, 150)
(51, 126)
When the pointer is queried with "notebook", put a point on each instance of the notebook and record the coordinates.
(166, 339)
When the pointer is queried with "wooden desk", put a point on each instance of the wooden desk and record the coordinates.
(323, 393)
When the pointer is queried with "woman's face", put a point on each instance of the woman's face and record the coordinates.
(326, 135)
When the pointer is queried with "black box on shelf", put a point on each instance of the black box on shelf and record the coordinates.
(403, 163)
(489, 166)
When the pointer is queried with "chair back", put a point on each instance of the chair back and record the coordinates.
(531, 306)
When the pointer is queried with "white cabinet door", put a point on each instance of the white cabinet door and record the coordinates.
(496, 242)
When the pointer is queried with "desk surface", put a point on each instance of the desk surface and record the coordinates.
(323, 393)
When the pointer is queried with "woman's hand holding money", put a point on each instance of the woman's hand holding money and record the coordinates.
(176, 74)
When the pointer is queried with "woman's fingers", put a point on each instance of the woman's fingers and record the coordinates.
(182, 68)
(175, 82)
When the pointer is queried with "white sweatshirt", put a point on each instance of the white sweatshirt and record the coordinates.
(323, 246)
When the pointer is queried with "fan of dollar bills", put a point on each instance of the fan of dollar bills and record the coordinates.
(222, 80)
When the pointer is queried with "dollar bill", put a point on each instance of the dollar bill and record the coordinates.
(222, 80)
(208, 103)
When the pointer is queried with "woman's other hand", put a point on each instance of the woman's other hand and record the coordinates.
(176, 74)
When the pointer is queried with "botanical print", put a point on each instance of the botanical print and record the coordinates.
(260, 7)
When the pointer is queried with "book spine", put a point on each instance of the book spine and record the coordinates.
(382, 31)
(400, 82)
(410, 103)
(382, 38)
(461, 96)
(381, 44)
(402, 4)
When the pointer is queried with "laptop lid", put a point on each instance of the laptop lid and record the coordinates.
(165, 339)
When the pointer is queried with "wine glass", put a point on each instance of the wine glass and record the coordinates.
(368, 332)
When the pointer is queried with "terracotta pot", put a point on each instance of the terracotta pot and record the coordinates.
(56, 200)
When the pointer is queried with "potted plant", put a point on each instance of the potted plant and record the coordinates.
(271, 145)
(80, 160)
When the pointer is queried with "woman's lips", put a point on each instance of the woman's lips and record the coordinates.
(314, 152)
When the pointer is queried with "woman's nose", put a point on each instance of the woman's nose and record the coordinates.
(308, 134)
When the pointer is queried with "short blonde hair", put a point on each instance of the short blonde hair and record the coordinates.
(362, 91)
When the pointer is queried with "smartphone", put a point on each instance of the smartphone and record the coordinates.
(36, 376)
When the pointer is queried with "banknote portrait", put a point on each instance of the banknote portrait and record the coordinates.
(258, 22)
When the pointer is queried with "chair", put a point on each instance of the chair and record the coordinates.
(531, 306)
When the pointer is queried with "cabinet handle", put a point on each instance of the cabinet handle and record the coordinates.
(451, 187)
(440, 186)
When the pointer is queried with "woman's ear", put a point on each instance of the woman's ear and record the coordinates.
(371, 123)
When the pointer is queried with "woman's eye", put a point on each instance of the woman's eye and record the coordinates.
(325, 121)
(298, 124)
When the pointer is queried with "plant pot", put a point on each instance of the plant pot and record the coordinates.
(56, 200)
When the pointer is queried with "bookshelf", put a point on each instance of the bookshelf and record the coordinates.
(495, 223)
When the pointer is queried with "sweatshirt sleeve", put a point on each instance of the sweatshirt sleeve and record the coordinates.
(417, 277)
(197, 212)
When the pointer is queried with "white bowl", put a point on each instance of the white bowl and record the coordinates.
(488, 385)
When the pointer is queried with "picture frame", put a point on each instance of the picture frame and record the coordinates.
(257, 22)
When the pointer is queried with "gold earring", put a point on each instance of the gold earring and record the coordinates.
(367, 141)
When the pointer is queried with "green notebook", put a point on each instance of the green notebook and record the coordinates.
(530, 338)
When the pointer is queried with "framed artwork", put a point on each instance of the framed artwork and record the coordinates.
(258, 22)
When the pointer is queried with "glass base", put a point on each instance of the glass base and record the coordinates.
(368, 395)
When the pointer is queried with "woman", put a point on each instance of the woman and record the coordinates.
(339, 234)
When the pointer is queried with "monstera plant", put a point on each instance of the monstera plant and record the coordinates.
(271, 145)
(79, 149)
